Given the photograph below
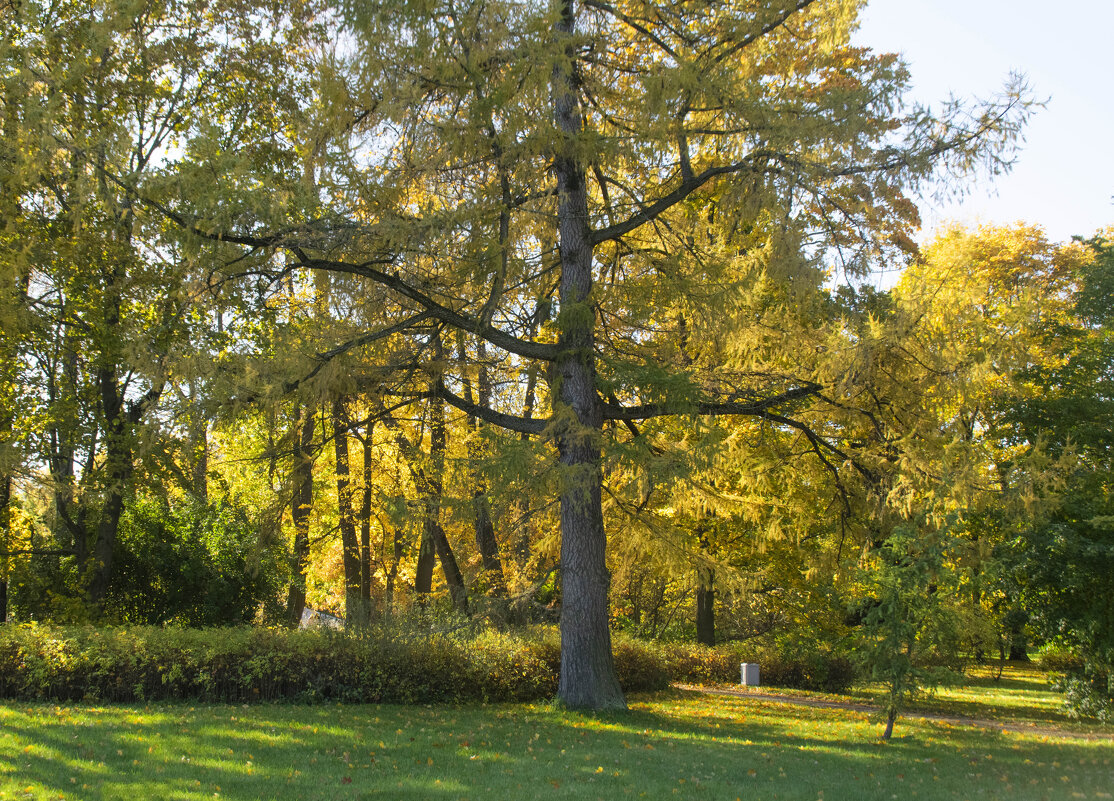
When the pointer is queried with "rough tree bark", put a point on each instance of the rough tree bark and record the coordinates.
(355, 614)
(588, 677)
(705, 606)
(300, 508)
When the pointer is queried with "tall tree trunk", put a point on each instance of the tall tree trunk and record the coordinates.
(705, 606)
(301, 507)
(588, 677)
(486, 542)
(354, 612)
(434, 488)
(5, 537)
(365, 522)
(117, 473)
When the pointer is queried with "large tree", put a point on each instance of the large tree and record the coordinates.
(591, 187)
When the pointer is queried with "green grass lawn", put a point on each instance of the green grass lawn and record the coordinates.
(673, 745)
(1021, 694)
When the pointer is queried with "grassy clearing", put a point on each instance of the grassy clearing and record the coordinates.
(672, 745)
(1020, 695)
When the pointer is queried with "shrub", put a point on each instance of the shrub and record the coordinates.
(641, 666)
(815, 669)
(191, 564)
(1058, 659)
(246, 664)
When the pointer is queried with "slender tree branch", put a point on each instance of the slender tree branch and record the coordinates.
(500, 339)
(613, 411)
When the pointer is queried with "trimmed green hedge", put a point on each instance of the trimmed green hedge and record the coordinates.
(815, 670)
(246, 664)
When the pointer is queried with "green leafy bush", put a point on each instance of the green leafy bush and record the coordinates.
(1059, 659)
(191, 564)
(804, 669)
(641, 666)
(246, 664)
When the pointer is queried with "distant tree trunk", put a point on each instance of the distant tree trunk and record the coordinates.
(486, 542)
(427, 558)
(69, 524)
(354, 612)
(705, 606)
(434, 488)
(117, 473)
(365, 522)
(391, 572)
(300, 508)
(705, 587)
(5, 537)
(429, 481)
(199, 445)
(1014, 624)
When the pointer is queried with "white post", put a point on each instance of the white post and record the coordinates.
(748, 674)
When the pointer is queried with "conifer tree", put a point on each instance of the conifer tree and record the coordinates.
(621, 171)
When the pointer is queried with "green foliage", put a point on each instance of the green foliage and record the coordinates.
(192, 564)
(813, 669)
(1061, 560)
(907, 634)
(246, 664)
(1088, 692)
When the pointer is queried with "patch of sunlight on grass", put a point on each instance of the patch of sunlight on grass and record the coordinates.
(673, 745)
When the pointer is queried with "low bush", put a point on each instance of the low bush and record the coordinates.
(246, 664)
(808, 670)
(641, 666)
(1059, 659)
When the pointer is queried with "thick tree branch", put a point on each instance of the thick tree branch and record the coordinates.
(512, 422)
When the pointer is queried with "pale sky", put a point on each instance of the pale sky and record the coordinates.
(1064, 176)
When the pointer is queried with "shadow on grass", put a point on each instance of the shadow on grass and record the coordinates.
(672, 745)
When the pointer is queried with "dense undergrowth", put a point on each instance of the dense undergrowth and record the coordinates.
(246, 664)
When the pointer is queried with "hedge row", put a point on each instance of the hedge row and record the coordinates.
(254, 664)
(39, 662)
(815, 670)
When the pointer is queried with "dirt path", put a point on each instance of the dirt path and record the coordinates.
(1035, 729)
